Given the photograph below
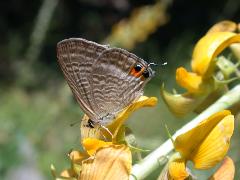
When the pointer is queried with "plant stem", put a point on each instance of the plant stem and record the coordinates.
(39, 32)
(152, 161)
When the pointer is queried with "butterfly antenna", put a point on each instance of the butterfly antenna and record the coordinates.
(74, 123)
(104, 137)
(69, 152)
(154, 64)
(164, 64)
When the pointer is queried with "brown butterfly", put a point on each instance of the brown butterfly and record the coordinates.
(104, 80)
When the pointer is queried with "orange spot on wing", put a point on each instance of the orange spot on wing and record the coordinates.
(134, 73)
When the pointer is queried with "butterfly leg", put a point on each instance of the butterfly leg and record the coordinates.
(108, 131)
(91, 124)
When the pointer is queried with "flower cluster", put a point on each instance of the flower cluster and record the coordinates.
(205, 145)
(107, 152)
(205, 84)
(143, 21)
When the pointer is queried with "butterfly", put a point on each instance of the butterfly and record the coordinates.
(104, 80)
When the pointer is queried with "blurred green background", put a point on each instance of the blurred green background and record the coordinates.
(36, 105)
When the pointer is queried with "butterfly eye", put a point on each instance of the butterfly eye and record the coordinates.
(145, 74)
(137, 67)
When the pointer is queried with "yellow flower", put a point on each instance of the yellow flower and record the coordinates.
(205, 145)
(143, 101)
(189, 80)
(177, 168)
(113, 162)
(208, 47)
(199, 83)
(92, 145)
(104, 157)
(99, 133)
(101, 160)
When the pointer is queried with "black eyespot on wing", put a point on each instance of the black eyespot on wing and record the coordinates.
(137, 67)
(145, 74)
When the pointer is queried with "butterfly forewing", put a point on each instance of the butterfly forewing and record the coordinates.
(76, 57)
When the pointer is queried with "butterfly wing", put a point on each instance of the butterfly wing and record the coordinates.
(76, 57)
(113, 87)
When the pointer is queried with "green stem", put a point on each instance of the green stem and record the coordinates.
(152, 161)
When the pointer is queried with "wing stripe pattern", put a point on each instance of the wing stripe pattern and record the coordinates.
(113, 88)
(100, 78)
(76, 57)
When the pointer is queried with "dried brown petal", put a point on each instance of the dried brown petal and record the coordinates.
(78, 156)
(113, 162)
(225, 171)
(221, 26)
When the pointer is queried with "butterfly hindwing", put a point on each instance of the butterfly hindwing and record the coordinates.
(112, 85)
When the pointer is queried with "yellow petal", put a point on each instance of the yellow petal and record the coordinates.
(215, 146)
(177, 169)
(208, 48)
(143, 101)
(113, 162)
(225, 171)
(92, 145)
(181, 104)
(99, 133)
(222, 26)
(188, 143)
(69, 173)
(77, 156)
(188, 80)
